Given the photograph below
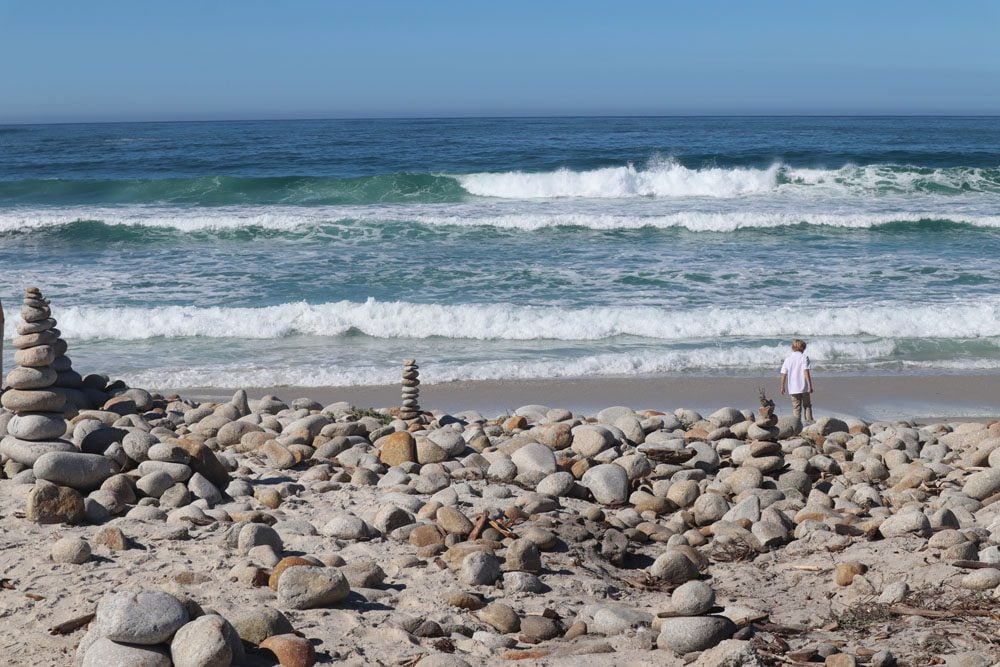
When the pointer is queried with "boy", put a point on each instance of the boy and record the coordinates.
(797, 380)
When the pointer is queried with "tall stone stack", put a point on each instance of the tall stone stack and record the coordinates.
(411, 390)
(38, 424)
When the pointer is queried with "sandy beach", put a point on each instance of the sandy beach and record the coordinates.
(868, 397)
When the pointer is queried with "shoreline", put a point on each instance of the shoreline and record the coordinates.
(865, 397)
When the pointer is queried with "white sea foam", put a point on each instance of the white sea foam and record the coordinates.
(396, 319)
(304, 219)
(669, 179)
(437, 371)
(662, 178)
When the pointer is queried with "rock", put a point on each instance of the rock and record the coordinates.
(155, 483)
(910, 522)
(207, 641)
(479, 569)
(137, 445)
(614, 547)
(840, 660)
(523, 555)
(981, 580)
(539, 628)
(144, 617)
(894, 592)
(725, 417)
(71, 550)
(453, 522)
(363, 574)
(205, 462)
(107, 653)
(522, 582)
(686, 634)
(693, 598)
(48, 503)
(558, 484)
(346, 526)
(111, 537)
(27, 377)
(982, 484)
(257, 624)
(204, 489)
(590, 440)
(281, 566)
(291, 650)
(683, 493)
(608, 483)
(844, 573)
(27, 452)
(464, 600)
(501, 617)
(397, 448)
(312, 587)
(79, 471)
(534, 457)
(730, 653)
(429, 452)
(37, 426)
(255, 535)
(32, 400)
(673, 567)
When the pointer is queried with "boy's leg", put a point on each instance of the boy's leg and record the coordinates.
(797, 405)
(808, 405)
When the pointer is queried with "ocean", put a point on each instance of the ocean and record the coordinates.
(253, 254)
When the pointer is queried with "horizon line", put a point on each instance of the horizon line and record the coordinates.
(279, 119)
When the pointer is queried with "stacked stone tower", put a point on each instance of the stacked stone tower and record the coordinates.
(411, 390)
(38, 423)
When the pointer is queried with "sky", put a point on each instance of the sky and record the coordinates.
(122, 60)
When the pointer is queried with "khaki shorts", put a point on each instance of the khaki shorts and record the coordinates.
(800, 401)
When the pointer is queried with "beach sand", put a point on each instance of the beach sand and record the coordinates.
(865, 397)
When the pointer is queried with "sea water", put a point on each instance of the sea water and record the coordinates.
(324, 252)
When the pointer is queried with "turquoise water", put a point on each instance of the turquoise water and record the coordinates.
(323, 252)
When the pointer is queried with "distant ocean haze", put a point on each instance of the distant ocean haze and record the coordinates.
(324, 252)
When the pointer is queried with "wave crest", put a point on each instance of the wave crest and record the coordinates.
(381, 319)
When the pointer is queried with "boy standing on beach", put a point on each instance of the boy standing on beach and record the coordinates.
(797, 380)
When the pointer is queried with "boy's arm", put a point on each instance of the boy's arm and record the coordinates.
(784, 383)
(809, 381)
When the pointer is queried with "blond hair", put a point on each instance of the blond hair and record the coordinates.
(798, 345)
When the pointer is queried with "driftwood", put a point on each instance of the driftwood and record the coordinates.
(906, 610)
(71, 625)
(480, 526)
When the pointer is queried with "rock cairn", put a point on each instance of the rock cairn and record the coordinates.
(37, 425)
(410, 408)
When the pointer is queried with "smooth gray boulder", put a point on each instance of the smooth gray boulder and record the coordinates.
(74, 469)
(143, 617)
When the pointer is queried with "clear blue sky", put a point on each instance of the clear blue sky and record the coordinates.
(78, 60)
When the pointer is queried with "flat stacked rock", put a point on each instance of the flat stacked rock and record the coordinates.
(411, 390)
(38, 425)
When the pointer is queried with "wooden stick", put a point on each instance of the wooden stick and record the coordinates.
(72, 624)
(479, 527)
(906, 610)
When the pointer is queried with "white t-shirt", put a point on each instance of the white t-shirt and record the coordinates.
(795, 366)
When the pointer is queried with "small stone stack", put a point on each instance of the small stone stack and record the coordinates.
(37, 426)
(411, 390)
(687, 624)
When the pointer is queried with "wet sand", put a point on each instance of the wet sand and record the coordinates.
(865, 397)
